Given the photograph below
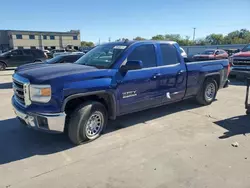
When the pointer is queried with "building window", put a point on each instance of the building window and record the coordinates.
(52, 37)
(32, 47)
(53, 47)
(32, 36)
(75, 38)
(20, 47)
(19, 37)
(44, 37)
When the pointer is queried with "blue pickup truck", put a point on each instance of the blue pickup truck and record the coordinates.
(111, 80)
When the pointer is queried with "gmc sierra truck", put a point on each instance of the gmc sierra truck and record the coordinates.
(111, 80)
(240, 63)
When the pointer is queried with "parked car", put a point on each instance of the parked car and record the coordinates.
(66, 58)
(240, 63)
(111, 80)
(211, 54)
(15, 58)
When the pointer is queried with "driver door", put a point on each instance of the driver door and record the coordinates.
(138, 89)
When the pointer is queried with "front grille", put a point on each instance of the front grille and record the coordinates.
(18, 91)
(241, 62)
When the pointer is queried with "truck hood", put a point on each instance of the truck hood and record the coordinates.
(242, 54)
(42, 72)
(29, 66)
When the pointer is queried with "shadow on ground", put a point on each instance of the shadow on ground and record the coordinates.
(236, 82)
(7, 85)
(147, 115)
(238, 125)
(18, 142)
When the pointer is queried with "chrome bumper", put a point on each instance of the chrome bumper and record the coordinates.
(53, 123)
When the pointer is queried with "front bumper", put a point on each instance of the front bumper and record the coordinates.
(49, 122)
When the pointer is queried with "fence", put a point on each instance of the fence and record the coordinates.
(192, 50)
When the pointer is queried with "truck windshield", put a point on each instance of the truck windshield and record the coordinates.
(246, 48)
(102, 56)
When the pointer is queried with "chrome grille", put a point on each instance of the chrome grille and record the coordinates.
(18, 91)
(21, 90)
(241, 62)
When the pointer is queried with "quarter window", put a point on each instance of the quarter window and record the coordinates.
(169, 54)
(144, 53)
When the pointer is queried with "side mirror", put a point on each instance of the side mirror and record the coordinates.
(131, 65)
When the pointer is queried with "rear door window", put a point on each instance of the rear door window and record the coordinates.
(27, 52)
(169, 54)
(144, 53)
(38, 53)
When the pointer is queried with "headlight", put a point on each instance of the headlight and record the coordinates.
(40, 93)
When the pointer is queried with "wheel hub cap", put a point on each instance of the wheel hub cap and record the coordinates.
(210, 91)
(94, 124)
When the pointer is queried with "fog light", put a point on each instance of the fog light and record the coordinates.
(42, 122)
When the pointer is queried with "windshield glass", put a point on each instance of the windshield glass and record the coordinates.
(54, 60)
(246, 48)
(208, 52)
(102, 56)
(5, 53)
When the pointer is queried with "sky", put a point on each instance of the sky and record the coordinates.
(104, 19)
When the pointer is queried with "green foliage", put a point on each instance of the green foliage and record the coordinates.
(87, 44)
(139, 38)
(236, 37)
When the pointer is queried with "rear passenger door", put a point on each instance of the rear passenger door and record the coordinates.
(172, 84)
(138, 89)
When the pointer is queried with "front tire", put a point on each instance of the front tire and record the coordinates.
(2, 66)
(87, 122)
(208, 92)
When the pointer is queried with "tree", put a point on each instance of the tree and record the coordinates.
(87, 44)
(214, 39)
(121, 39)
(158, 37)
(139, 38)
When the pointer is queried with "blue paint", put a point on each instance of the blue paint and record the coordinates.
(151, 85)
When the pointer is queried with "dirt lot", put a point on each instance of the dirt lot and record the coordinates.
(181, 145)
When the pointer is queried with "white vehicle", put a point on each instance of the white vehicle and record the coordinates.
(183, 53)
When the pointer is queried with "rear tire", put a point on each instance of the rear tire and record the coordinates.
(87, 122)
(208, 92)
(2, 66)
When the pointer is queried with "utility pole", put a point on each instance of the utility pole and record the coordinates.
(99, 41)
(194, 33)
(109, 39)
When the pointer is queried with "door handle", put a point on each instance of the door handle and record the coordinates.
(180, 72)
(155, 76)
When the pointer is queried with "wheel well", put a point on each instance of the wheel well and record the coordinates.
(216, 78)
(38, 60)
(3, 63)
(105, 99)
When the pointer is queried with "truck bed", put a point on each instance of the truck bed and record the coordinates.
(197, 70)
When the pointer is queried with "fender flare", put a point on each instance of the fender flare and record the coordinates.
(109, 93)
